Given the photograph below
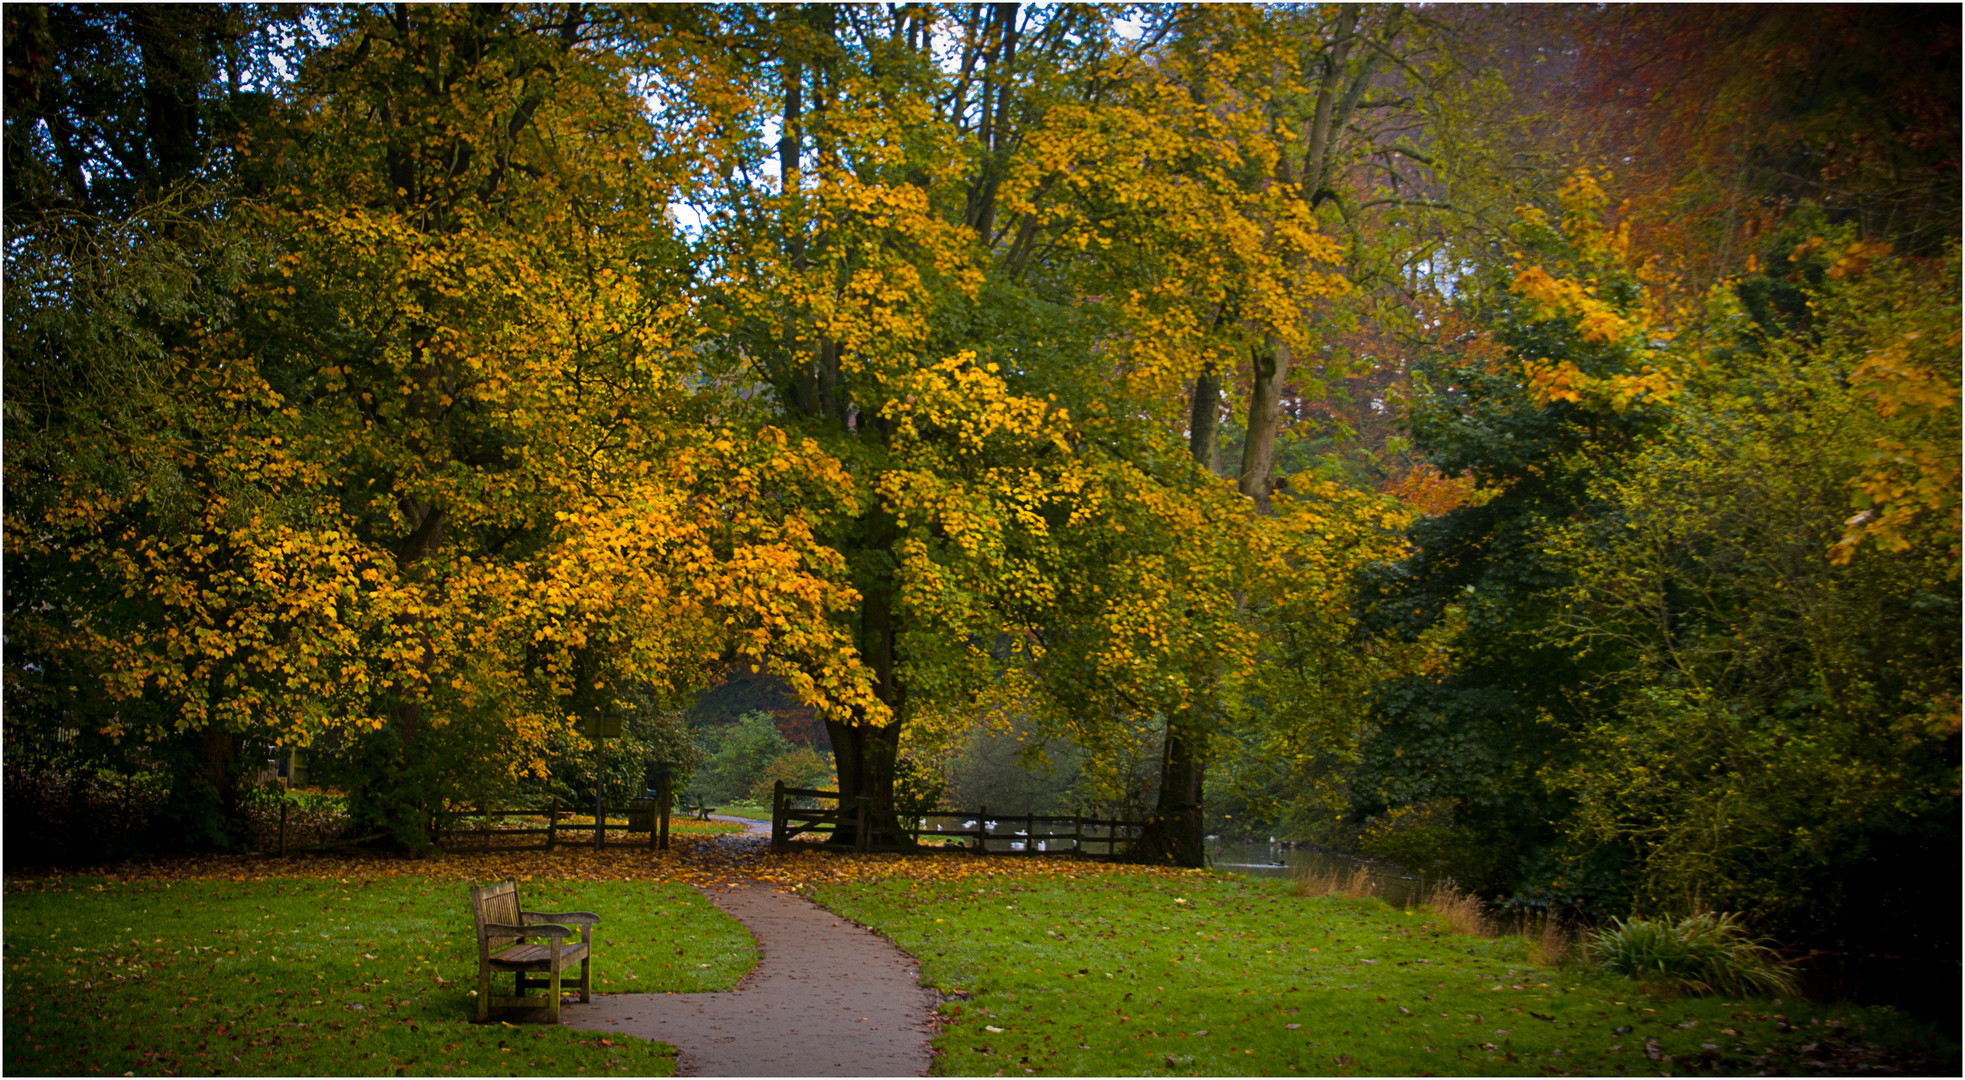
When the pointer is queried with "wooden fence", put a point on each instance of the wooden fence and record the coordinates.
(462, 830)
(1076, 834)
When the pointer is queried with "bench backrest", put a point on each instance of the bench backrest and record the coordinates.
(494, 904)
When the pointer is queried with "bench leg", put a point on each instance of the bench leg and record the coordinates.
(552, 1001)
(586, 984)
(484, 993)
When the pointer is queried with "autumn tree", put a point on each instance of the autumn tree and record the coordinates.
(440, 466)
(1256, 184)
(1650, 609)
(867, 274)
(1538, 385)
(120, 124)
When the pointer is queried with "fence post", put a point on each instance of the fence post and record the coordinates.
(982, 831)
(484, 827)
(860, 832)
(666, 793)
(1029, 833)
(1078, 832)
(778, 815)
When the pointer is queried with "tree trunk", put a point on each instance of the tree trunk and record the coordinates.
(218, 754)
(865, 751)
(1271, 375)
(865, 755)
(1173, 834)
(1204, 420)
(399, 798)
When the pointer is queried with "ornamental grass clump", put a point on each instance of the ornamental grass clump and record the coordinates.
(1705, 953)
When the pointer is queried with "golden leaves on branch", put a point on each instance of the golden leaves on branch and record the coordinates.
(1631, 332)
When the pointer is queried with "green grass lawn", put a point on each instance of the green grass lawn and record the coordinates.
(1143, 975)
(324, 977)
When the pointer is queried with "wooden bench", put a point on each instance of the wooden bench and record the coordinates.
(701, 810)
(502, 932)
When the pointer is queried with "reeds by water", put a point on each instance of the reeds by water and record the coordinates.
(1462, 911)
(1354, 884)
(1551, 941)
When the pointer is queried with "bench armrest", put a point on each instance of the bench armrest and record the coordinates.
(586, 917)
(540, 929)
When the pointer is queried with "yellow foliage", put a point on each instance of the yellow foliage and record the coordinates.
(1634, 332)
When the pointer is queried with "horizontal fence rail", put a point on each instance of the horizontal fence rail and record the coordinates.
(465, 829)
(973, 830)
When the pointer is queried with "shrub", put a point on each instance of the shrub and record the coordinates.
(1704, 953)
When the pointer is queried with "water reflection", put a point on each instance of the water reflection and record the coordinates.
(1257, 858)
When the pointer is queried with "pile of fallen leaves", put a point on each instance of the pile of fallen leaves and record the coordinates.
(703, 860)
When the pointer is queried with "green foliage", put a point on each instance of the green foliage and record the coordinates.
(1676, 667)
(917, 787)
(1016, 771)
(651, 736)
(1705, 953)
(1484, 725)
(1297, 719)
(1424, 838)
(743, 759)
(799, 767)
(369, 978)
(1778, 728)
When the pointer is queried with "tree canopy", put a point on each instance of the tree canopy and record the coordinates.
(1517, 441)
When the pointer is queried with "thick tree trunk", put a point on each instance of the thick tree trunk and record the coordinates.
(865, 751)
(1173, 834)
(399, 798)
(865, 755)
(219, 756)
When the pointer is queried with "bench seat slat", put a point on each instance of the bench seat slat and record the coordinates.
(534, 957)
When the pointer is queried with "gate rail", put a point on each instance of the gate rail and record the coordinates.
(977, 830)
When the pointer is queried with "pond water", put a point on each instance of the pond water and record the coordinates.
(1259, 858)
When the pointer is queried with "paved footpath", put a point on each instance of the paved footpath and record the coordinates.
(827, 998)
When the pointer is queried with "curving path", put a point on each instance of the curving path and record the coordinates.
(827, 998)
